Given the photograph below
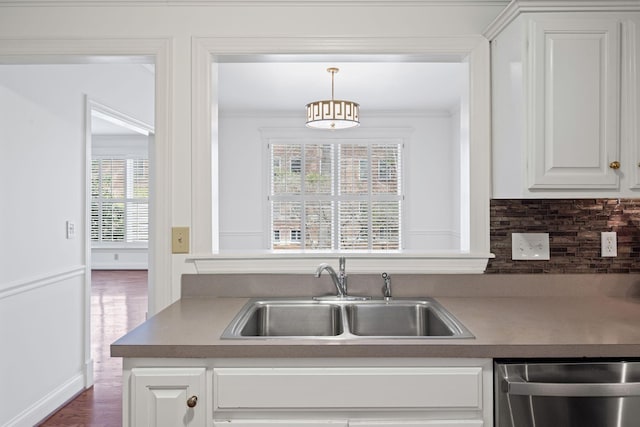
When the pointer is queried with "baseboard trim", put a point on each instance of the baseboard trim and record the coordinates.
(88, 373)
(120, 266)
(37, 413)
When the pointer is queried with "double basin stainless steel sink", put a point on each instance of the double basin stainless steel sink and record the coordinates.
(344, 319)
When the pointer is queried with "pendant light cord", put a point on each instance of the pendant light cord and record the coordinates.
(333, 74)
(333, 71)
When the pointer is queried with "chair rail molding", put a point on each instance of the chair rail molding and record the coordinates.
(25, 285)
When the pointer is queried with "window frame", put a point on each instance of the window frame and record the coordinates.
(99, 243)
(394, 136)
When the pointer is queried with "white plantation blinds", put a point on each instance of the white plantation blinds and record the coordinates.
(337, 195)
(119, 200)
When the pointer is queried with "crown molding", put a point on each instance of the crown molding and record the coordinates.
(252, 3)
(517, 7)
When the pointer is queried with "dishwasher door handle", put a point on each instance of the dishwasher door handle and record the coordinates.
(519, 386)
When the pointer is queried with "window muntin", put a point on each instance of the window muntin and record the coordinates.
(346, 196)
(120, 201)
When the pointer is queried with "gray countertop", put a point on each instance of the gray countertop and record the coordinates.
(504, 327)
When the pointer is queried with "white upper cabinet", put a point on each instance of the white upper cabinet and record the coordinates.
(564, 108)
(574, 68)
(631, 96)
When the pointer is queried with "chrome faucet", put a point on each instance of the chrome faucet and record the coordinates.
(386, 289)
(340, 279)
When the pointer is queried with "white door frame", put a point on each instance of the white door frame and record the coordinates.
(75, 51)
(129, 122)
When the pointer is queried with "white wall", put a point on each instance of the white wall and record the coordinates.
(179, 25)
(99, 26)
(430, 192)
(42, 180)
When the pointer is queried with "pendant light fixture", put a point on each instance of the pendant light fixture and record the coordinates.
(334, 113)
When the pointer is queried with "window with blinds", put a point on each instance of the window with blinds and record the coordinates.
(337, 195)
(120, 201)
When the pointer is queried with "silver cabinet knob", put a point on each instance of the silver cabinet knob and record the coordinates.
(192, 401)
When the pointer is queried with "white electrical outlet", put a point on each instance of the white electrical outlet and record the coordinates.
(530, 246)
(609, 243)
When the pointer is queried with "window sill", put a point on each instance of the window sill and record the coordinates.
(120, 246)
(357, 262)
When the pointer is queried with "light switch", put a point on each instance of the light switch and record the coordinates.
(530, 246)
(71, 230)
(180, 240)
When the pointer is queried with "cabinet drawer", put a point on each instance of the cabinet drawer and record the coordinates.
(324, 388)
(427, 423)
(279, 423)
(307, 423)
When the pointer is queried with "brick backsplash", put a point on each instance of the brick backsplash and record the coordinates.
(574, 227)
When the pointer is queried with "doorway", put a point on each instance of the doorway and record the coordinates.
(118, 184)
(44, 169)
(43, 161)
(118, 178)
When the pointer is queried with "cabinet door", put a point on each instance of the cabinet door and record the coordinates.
(573, 124)
(159, 397)
(631, 94)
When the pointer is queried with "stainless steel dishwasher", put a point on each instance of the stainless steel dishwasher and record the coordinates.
(567, 394)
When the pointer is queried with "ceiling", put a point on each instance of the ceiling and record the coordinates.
(289, 86)
(376, 86)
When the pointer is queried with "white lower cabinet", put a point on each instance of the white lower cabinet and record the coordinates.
(168, 397)
(309, 393)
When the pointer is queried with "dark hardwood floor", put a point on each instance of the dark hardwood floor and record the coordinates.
(118, 304)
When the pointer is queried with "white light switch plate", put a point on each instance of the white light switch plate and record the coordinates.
(530, 246)
(71, 230)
